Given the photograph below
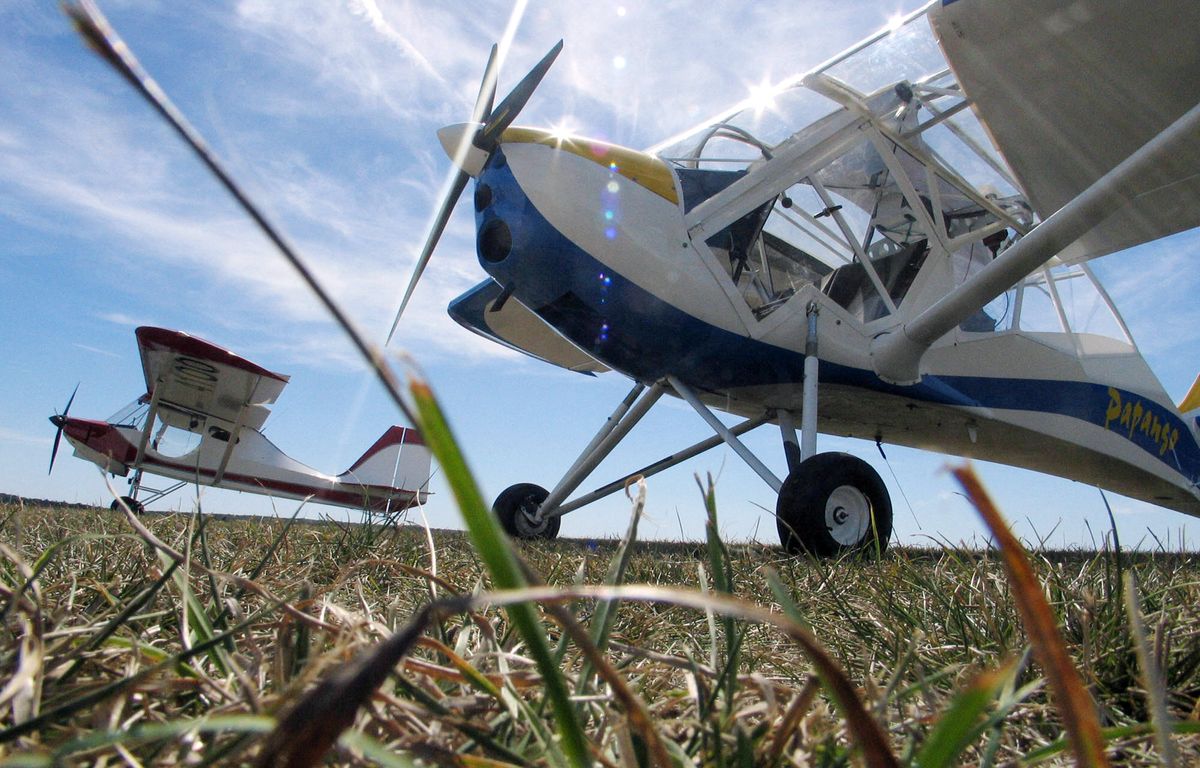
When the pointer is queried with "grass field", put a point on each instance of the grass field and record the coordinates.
(244, 641)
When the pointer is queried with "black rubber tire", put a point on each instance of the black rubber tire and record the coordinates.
(811, 512)
(514, 507)
(135, 505)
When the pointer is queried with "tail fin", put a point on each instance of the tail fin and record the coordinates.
(1191, 401)
(398, 459)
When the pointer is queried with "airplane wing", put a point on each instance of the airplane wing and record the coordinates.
(188, 377)
(1068, 89)
(484, 310)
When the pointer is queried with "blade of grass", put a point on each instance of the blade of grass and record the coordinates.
(196, 627)
(606, 612)
(1076, 707)
(722, 570)
(954, 730)
(865, 729)
(1113, 734)
(1152, 680)
(152, 732)
(99, 35)
(493, 548)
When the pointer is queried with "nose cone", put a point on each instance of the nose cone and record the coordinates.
(458, 141)
(58, 421)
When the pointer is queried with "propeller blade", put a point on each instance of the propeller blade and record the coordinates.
(487, 136)
(435, 233)
(514, 102)
(487, 90)
(54, 450)
(70, 400)
(60, 421)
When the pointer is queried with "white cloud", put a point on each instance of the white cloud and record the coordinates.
(16, 436)
(97, 350)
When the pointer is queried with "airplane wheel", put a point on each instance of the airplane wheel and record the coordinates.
(135, 505)
(834, 503)
(516, 507)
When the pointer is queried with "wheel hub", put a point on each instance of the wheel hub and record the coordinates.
(847, 515)
(529, 519)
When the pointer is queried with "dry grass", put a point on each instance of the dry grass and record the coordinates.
(114, 657)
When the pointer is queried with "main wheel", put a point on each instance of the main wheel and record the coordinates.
(831, 504)
(517, 507)
(136, 506)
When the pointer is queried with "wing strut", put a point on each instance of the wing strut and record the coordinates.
(238, 423)
(151, 415)
(896, 355)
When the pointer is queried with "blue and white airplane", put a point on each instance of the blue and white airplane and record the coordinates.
(908, 267)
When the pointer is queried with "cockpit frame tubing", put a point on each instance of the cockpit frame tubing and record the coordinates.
(859, 251)
(897, 355)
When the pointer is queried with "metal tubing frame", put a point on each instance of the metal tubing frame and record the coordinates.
(896, 355)
(730, 439)
(156, 493)
(617, 426)
(808, 415)
(662, 464)
(613, 420)
(791, 443)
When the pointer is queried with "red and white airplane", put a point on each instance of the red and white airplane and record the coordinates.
(200, 422)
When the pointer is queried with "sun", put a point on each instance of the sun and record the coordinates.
(762, 96)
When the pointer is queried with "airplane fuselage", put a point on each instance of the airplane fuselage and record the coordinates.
(256, 466)
(593, 240)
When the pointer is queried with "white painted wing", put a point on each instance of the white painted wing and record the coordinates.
(1070, 88)
(195, 378)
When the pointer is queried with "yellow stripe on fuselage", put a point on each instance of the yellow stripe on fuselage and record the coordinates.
(644, 170)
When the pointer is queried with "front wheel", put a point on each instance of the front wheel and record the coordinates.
(134, 505)
(517, 510)
(834, 503)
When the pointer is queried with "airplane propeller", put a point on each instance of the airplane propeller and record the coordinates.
(474, 143)
(60, 420)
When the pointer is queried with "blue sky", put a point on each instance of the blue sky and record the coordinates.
(327, 113)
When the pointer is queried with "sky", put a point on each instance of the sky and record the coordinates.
(326, 113)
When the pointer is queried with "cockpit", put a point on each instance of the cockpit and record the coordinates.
(892, 194)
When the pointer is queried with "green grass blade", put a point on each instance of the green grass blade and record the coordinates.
(606, 611)
(954, 729)
(373, 750)
(200, 630)
(1112, 734)
(493, 548)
